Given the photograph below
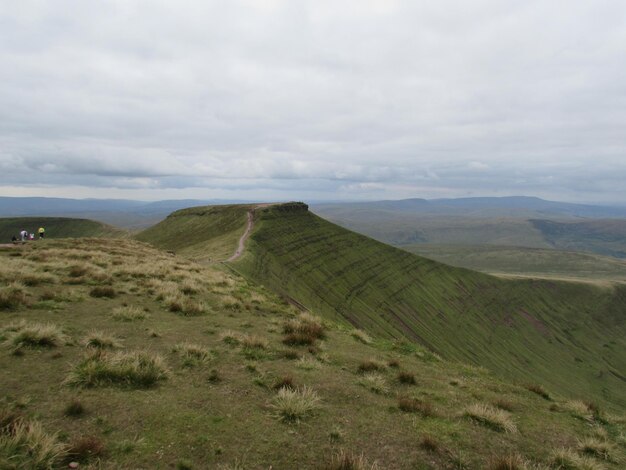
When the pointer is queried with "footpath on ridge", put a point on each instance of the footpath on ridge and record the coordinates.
(250, 225)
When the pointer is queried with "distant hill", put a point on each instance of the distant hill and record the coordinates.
(56, 227)
(515, 206)
(526, 262)
(118, 212)
(519, 222)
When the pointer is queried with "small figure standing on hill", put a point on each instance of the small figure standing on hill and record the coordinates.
(14, 239)
(24, 235)
(31, 236)
(42, 232)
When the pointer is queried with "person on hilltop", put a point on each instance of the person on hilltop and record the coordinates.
(14, 239)
(42, 232)
(24, 235)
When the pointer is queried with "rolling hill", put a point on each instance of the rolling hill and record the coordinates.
(526, 262)
(568, 336)
(117, 355)
(56, 227)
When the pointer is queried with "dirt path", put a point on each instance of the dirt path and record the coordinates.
(242, 241)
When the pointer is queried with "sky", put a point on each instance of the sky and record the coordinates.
(313, 100)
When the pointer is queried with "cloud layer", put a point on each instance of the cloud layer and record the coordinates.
(313, 99)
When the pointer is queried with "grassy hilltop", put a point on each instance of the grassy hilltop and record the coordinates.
(56, 227)
(570, 337)
(121, 356)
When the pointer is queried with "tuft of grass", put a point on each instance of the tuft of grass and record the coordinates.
(509, 462)
(215, 376)
(84, 448)
(361, 336)
(567, 459)
(491, 417)
(131, 369)
(103, 291)
(13, 296)
(413, 405)
(254, 342)
(184, 305)
(429, 443)
(308, 363)
(74, 409)
(36, 335)
(294, 405)
(231, 337)
(101, 340)
(407, 378)
(597, 448)
(303, 330)
(285, 381)
(24, 444)
(129, 313)
(370, 366)
(193, 354)
(505, 405)
(539, 390)
(344, 460)
(375, 382)
(393, 363)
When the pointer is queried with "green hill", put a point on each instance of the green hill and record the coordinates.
(526, 262)
(56, 227)
(203, 233)
(569, 336)
(117, 355)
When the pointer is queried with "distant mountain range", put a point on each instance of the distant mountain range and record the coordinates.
(123, 213)
(514, 206)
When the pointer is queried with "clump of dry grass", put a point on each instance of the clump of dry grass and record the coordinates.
(99, 339)
(84, 448)
(567, 459)
(491, 417)
(285, 381)
(129, 313)
(103, 291)
(539, 390)
(505, 405)
(414, 405)
(303, 330)
(407, 378)
(132, 369)
(34, 335)
(510, 462)
(294, 405)
(375, 382)
(193, 354)
(370, 365)
(597, 448)
(184, 305)
(13, 296)
(74, 409)
(254, 342)
(349, 461)
(361, 336)
(231, 337)
(25, 444)
(429, 443)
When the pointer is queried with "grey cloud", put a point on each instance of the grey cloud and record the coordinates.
(356, 98)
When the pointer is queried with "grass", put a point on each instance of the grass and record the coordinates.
(494, 418)
(361, 336)
(36, 335)
(414, 405)
(74, 409)
(597, 448)
(132, 369)
(101, 340)
(567, 459)
(344, 460)
(407, 378)
(85, 448)
(13, 296)
(539, 390)
(294, 405)
(375, 383)
(370, 365)
(193, 354)
(25, 444)
(373, 289)
(221, 412)
(129, 313)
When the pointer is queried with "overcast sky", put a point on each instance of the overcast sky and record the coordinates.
(275, 100)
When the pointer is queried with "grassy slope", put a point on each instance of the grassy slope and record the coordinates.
(200, 232)
(188, 421)
(531, 262)
(569, 336)
(56, 227)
